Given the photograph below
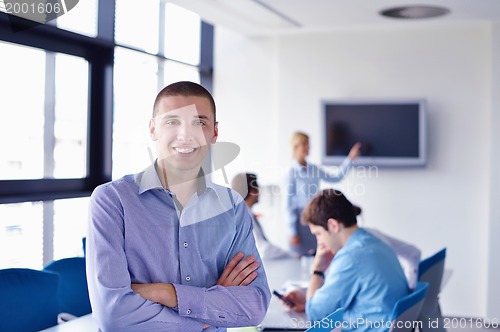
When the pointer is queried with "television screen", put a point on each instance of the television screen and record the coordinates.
(392, 133)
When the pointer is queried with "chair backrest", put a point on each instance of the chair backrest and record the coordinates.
(332, 322)
(28, 299)
(73, 289)
(406, 310)
(431, 270)
(84, 245)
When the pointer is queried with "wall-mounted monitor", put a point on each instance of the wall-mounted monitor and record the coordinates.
(393, 132)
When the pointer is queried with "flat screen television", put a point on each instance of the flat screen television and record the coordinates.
(392, 132)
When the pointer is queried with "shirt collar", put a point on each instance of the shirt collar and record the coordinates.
(149, 180)
(357, 234)
(296, 165)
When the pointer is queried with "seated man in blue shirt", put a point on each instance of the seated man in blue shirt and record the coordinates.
(166, 247)
(364, 275)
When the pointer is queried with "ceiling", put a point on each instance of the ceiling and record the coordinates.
(267, 17)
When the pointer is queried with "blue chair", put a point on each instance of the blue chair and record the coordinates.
(73, 290)
(332, 322)
(407, 310)
(28, 299)
(431, 270)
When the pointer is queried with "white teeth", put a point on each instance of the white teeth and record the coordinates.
(180, 150)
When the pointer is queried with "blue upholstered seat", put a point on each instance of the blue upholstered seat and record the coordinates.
(28, 299)
(73, 290)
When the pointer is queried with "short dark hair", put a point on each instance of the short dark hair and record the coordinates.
(329, 203)
(243, 183)
(183, 88)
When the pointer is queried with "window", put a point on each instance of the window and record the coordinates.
(174, 71)
(137, 24)
(70, 125)
(69, 227)
(81, 19)
(43, 139)
(185, 46)
(25, 227)
(133, 108)
(21, 235)
(22, 118)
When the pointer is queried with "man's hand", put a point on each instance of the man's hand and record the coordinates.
(239, 271)
(355, 151)
(159, 292)
(298, 298)
(294, 240)
(322, 259)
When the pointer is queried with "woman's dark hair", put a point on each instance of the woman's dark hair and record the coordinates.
(329, 203)
(244, 183)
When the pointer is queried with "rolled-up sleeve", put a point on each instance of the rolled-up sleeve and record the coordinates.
(337, 177)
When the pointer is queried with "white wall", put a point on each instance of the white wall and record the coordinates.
(494, 217)
(268, 88)
(244, 92)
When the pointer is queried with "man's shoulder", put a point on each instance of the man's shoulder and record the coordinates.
(223, 192)
(123, 184)
(363, 243)
(372, 247)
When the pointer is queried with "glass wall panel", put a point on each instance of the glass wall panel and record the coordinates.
(70, 226)
(81, 19)
(71, 109)
(137, 24)
(21, 235)
(22, 98)
(136, 86)
(174, 71)
(27, 109)
(182, 34)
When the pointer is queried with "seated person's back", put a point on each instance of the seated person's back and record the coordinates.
(365, 278)
(364, 275)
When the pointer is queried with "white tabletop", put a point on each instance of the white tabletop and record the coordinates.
(282, 273)
(81, 324)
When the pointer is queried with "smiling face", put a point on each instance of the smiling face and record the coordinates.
(184, 127)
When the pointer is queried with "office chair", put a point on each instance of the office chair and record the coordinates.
(332, 322)
(73, 290)
(407, 310)
(431, 270)
(28, 299)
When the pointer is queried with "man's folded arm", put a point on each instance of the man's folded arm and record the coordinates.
(230, 306)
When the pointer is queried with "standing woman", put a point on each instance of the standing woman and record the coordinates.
(302, 183)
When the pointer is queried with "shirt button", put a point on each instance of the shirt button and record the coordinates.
(188, 311)
(188, 278)
(185, 244)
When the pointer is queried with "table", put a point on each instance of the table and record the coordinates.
(278, 273)
(81, 324)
